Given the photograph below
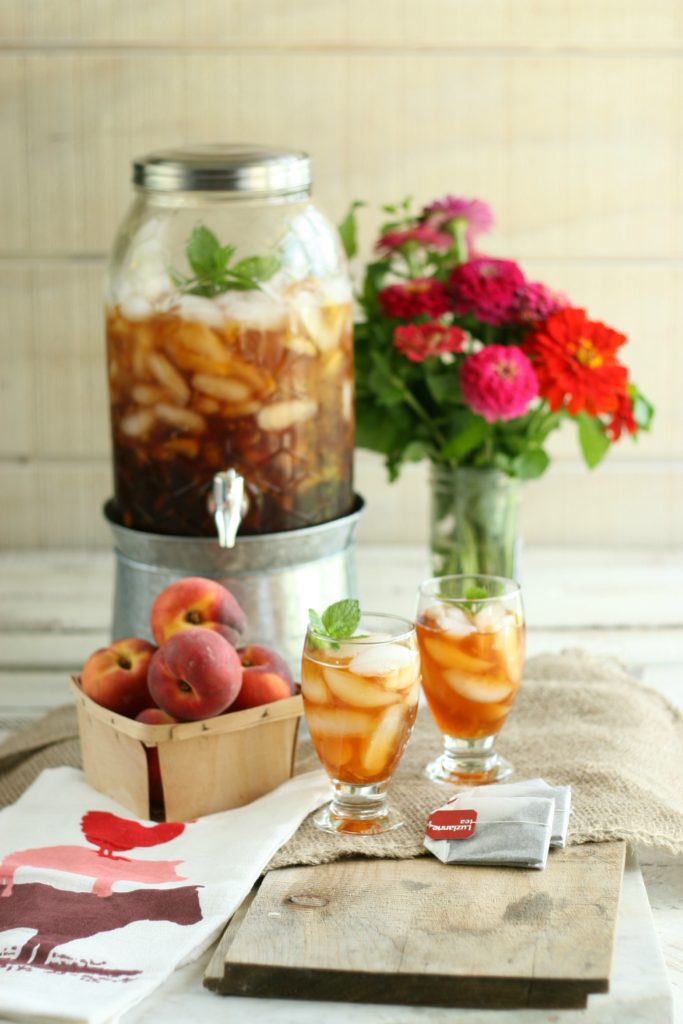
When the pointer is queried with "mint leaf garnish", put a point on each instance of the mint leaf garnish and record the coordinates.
(341, 618)
(213, 273)
(475, 593)
(315, 621)
(337, 622)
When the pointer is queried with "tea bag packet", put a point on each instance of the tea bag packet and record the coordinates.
(535, 787)
(506, 831)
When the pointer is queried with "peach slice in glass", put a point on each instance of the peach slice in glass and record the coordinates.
(358, 691)
(313, 685)
(338, 722)
(382, 745)
(480, 690)
(448, 655)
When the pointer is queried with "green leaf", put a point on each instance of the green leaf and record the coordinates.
(593, 439)
(441, 382)
(203, 251)
(416, 451)
(643, 409)
(348, 229)
(474, 593)
(471, 432)
(530, 464)
(341, 619)
(315, 620)
(382, 383)
(374, 280)
(256, 268)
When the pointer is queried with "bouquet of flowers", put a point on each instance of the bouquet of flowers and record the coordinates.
(462, 360)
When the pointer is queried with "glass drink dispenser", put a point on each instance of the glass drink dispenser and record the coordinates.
(229, 347)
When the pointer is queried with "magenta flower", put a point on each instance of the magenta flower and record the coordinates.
(421, 234)
(498, 382)
(535, 302)
(487, 288)
(477, 214)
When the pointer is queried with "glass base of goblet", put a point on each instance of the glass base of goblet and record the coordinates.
(360, 810)
(472, 762)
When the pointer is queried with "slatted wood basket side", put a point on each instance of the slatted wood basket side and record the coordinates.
(208, 766)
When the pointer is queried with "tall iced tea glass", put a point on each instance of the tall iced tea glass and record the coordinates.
(471, 637)
(360, 700)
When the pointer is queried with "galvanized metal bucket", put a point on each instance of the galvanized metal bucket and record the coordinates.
(275, 577)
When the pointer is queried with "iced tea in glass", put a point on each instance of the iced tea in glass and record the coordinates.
(471, 635)
(360, 700)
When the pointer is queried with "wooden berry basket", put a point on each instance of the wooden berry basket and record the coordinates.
(206, 766)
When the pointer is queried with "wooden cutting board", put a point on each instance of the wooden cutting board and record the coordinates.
(420, 932)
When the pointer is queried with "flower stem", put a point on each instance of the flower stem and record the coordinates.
(410, 399)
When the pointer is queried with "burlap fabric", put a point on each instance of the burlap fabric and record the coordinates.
(577, 721)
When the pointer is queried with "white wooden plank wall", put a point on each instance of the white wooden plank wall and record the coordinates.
(567, 116)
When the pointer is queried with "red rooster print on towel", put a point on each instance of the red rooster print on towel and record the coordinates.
(58, 916)
(110, 833)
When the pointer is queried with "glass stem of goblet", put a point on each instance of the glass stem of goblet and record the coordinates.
(359, 802)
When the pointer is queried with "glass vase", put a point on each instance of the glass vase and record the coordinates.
(474, 521)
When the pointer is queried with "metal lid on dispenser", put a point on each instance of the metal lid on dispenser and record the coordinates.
(246, 169)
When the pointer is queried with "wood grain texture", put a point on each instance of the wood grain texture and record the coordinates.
(580, 157)
(421, 932)
(439, 24)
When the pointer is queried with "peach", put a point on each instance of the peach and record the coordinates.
(196, 674)
(155, 716)
(265, 678)
(195, 601)
(116, 676)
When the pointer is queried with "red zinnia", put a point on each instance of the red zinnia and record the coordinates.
(423, 295)
(574, 359)
(417, 341)
(487, 288)
(622, 418)
(421, 234)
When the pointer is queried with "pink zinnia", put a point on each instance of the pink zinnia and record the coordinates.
(498, 382)
(423, 295)
(477, 214)
(535, 302)
(486, 288)
(421, 234)
(417, 341)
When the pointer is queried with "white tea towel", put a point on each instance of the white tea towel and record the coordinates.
(97, 907)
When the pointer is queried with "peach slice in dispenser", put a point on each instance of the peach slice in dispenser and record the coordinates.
(168, 377)
(226, 389)
(183, 419)
(381, 747)
(137, 423)
(355, 690)
(196, 337)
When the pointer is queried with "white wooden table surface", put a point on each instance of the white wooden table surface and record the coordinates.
(55, 609)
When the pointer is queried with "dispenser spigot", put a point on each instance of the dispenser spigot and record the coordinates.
(228, 503)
